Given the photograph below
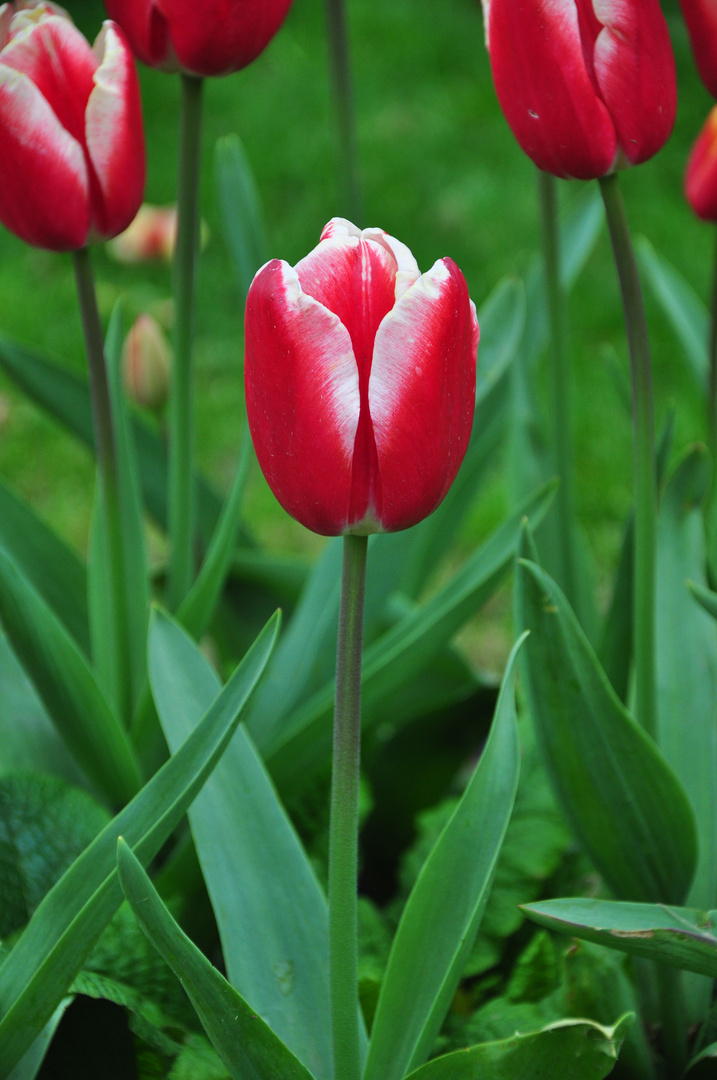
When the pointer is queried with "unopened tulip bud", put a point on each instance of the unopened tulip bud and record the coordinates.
(701, 172)
(701, 19)
(360, 381)
(152, 235)
(587, 86)
(146, 362)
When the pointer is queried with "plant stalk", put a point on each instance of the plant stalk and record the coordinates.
(343, 832)
(107, 471)
(345, 112)
(712, 388)
(645, 474)
(180, 413)
(560, 396)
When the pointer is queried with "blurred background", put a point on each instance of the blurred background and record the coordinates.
(440, 171)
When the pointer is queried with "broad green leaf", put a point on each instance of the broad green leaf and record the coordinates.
(31, 1063)
(35, 976)
(681, 937)
(563, 1051)
(702, 1066)
(621, 798)
(241, 210)
(402, 651)
(246, 1044)
(273, 926)
(687, 677)
(684, 309)
(46, 561)
(443, 912)
(63, 679)
(705, 597)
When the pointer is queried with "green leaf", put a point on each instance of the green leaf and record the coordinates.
(240, 206)
(52, 567)
(705, 597)
(684, 309)
(31, 1063)
(246, 1044)
(67, 687)
(561, 1051)
(62, 932)
(620, 796)
(444, 910)
(273, 927)
(396, 657)
(685, 938)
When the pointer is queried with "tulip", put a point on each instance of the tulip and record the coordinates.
(146, 361)
(701, 19)
(214, 37)
(151, 235)
(360, 381)
(72, 161)
(701, 172)
(587, 86)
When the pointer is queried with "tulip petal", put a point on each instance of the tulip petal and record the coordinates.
(545, 88)
(38, 155)
(701, 19)
(635, 71)
(115, 140)
(701, 173)
(422, 393)
(302, 398)
(215, 37)
(146, 28)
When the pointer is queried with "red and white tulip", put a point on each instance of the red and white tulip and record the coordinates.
(360, 381)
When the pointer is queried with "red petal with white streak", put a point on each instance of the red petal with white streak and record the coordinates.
(635, 71)
(40, 156)
(422, 393)
(115, 140)
(302, 399)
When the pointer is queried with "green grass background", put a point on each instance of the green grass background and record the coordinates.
(440, 171)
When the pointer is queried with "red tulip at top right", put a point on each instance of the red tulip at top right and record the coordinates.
(701, 19)
(587, 86)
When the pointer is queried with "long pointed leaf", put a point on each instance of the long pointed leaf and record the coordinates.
(683, 307)
(443, 912)
(242, 215)
(35, 976)
(245, 1043)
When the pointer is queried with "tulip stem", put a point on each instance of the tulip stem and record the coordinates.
(345, 112)
(343, 833)
(712, 388)
(560, 397)
(107, 473)
(180, 414)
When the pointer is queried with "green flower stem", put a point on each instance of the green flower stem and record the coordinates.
(712, 388)
(645, 478)
(107, 472)
(181, 421)
(343, 833)
(345, 113)
(560, 397)
(674, 1020)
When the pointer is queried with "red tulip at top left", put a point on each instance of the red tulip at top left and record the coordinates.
(360, 381)
(72, 162)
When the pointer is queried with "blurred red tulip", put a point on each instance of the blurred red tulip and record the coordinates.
(701, 172)
(587, 86)
(213, 37)
(146, 363)
(360, 381)
(72, 163)
(701, 19)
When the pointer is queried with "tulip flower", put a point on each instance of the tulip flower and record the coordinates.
(360, 381)
(587, 86)
(214, 37)
(146, 361)
(72, 161)
(701, 172)
(701, 19)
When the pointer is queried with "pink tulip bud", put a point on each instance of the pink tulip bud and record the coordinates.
(701, 172)
(152, 235)
(701, 19)
(360, 381)
(146, 362)
(72, 160)
(587, 86)
(214, 37)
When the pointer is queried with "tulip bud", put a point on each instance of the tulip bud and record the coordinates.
(72, 160)
(214, 37)
(587, 86)
(701, 19)
(360, 381)
(152, 235)
(701, 172)
(146, 362)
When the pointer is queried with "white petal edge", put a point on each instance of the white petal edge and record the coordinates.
(32, 122)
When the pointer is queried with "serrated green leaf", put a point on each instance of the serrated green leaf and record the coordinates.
(62, 932)
(273, 927)
(245, 1043)
(443, 912)
(620, 796)
(63, 679)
